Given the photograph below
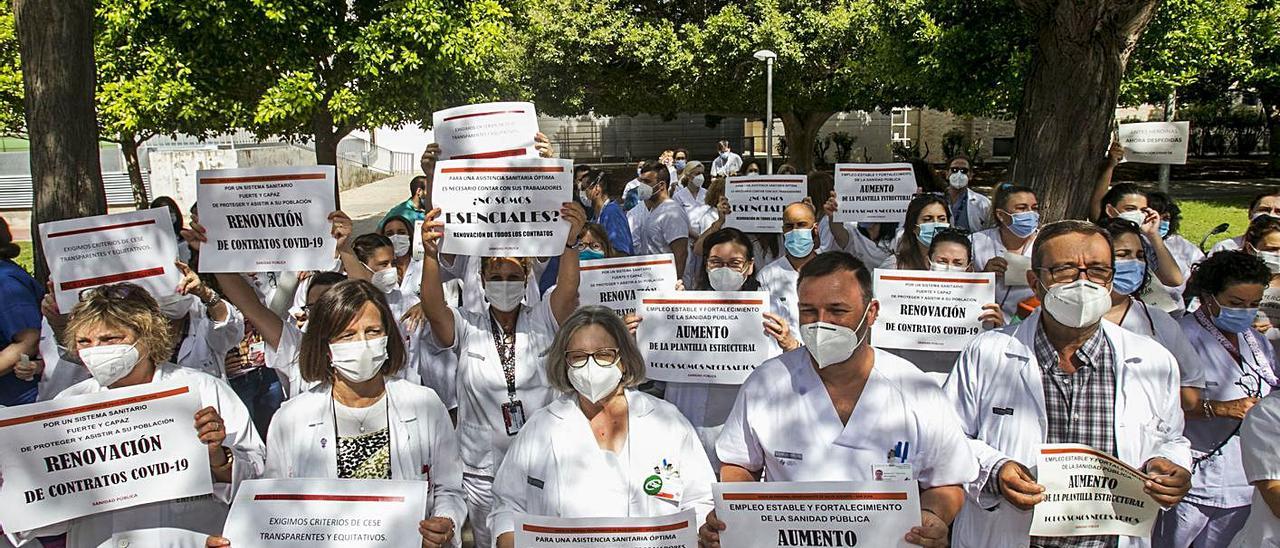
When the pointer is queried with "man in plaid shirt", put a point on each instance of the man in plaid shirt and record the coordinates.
(1053, 379)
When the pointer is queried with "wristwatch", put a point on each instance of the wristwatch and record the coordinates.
(213, 301)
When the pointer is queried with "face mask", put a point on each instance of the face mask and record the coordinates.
(1261, 213)
(504, 296)
(1271, 259)
(584, 200)
(594, 381)
(958, 180)
(1129, 275)
(726, 279)
(1136, 216)
(175, 306)
(697, 180)
(679, 165)
(110, 362)
(590, 255)
(644, 192)
(940, 267)
(359, 361)
(386, 279)
(927, 230)
(830, 343)
(400, 243)
(1164, 228)
(1077, 304)
(1234, 320)
(1024, 224)
(175, 220)
(724, 155)
(799, 242)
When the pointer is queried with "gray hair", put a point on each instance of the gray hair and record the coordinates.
(629, 358)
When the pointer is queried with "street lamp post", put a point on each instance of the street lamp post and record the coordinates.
(768, 57)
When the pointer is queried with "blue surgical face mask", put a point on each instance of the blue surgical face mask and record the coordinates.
(679, 165)
(1129, 275)
(1024, 224)
(927, 230)
(799, 242)
(590, 254)
(1164, 228)
(1234, 320)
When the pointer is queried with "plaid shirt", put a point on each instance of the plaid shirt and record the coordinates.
(1081, 409)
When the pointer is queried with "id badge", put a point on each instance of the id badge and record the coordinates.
(892, 472)
(513, 416)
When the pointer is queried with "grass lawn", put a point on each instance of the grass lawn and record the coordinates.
(24, 259)
(1199, 216)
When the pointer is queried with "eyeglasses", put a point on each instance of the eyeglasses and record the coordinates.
(604, 357)
(583, 246)
(963, 170)
(1064, 274)
(113, 291)
(736, 264)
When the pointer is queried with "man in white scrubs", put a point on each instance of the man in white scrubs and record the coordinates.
(800, 238)
(833, 410)
(727, 163)
(666, 227)
(1259, 445)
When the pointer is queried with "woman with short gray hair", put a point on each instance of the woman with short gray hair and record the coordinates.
(602, 448)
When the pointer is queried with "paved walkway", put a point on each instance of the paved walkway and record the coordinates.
(367, 204)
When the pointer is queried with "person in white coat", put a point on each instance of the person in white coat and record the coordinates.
(205, 325)
(123, 339)
(500, 380)
(1266, 203)
(1017, 217)
(1064, 376)
(1238, 370)
(361, 422)
(800, 239)
(1259, 445)
(596, 449)
(970, 211)
(832, 410)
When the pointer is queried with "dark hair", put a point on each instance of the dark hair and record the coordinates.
(176, 211)
(598, 231)
(1115, 226)
(1062, 228)
(926, 178)
(952, 236)
(1006, 191)
(8, 249)
(820, 184)
(831, 262)
(678, 151)
(365, 244)
(1224, 269)
(724, 236)
(1163, 203)
(579, 169)
(418, 183)
(331, 314)
(1118, 192)
(1259, 228)
(909, 249)
(407, 224)
(654, 166)
(1258, 198)
(964, 157)
(324, 279)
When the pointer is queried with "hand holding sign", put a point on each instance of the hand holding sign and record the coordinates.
(436, 532)
(1168, 482)
(432, 234)
(1018, 486)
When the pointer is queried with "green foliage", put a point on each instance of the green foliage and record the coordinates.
(1189, 43)
(12, 120)
(844, 142)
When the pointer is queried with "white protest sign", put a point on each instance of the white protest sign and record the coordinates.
(1087, 492)
(267, 219)
(418, 251)
(138, 247)
(874, 192)
(756, 201)
(489, 130)
(615, 282)
(311, 512)
(1156, 295)
(503, 208)
(168, 537)
(714, 337)
(769, 514)
(82, 455)
(1015, 272)
(930, 310)
(1155, 142)
(671, 531)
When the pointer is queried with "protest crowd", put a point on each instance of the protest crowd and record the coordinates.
(525, 344)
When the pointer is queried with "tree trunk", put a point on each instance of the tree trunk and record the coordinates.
(801, 129)
(129, 146)
(55, 41)
(326, 139)
(1069, 97)
(1271, 109)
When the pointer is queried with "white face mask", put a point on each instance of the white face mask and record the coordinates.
(644, 191)
(1136, 216)
(386, 279)
(958, 180)
(726, 279)
(940, 267)
(358, 361)
(829, 343)
(504, 296)
(594, 381)
(109, 363)
(697, 180)
(400, 242)
(175, 306)
(1078, 304)
(1271, 259)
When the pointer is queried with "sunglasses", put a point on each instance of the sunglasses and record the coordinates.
(113, 291)
(963, 170)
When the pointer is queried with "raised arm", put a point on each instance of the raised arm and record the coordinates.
(564, 298)
(722, 207)
(340, 229)
(838, 231)
(1167, 270)
(432, 289)
(243, 297)
(1114, 155)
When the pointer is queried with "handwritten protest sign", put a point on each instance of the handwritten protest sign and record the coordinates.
(489, 130)
(930, 310)
(874, 192)
(769, 514)
(1155, 142)
(714, 337)
(267, 219)
(83, 455)
(138, 247)
(756, 201)
(1088, 492)
(503, 208)
(670, 531)
(615, 282)
(303, 513)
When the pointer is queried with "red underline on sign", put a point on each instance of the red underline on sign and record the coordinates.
(101, 228)
(487, 155)
(626, 265)
(477, 114)
(502, 170)
(770, 181)
(330, 498)
(873, 169)
(111, 278)
(597, 530)
(694, 301)
(942, 280)
(95, 406)
(815, 496)
(1099, 454)
(263, 178)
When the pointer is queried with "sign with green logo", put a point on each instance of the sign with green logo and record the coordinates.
(653, 485)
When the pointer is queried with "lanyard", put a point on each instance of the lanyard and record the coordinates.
(506, 354)
(1258, 358)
